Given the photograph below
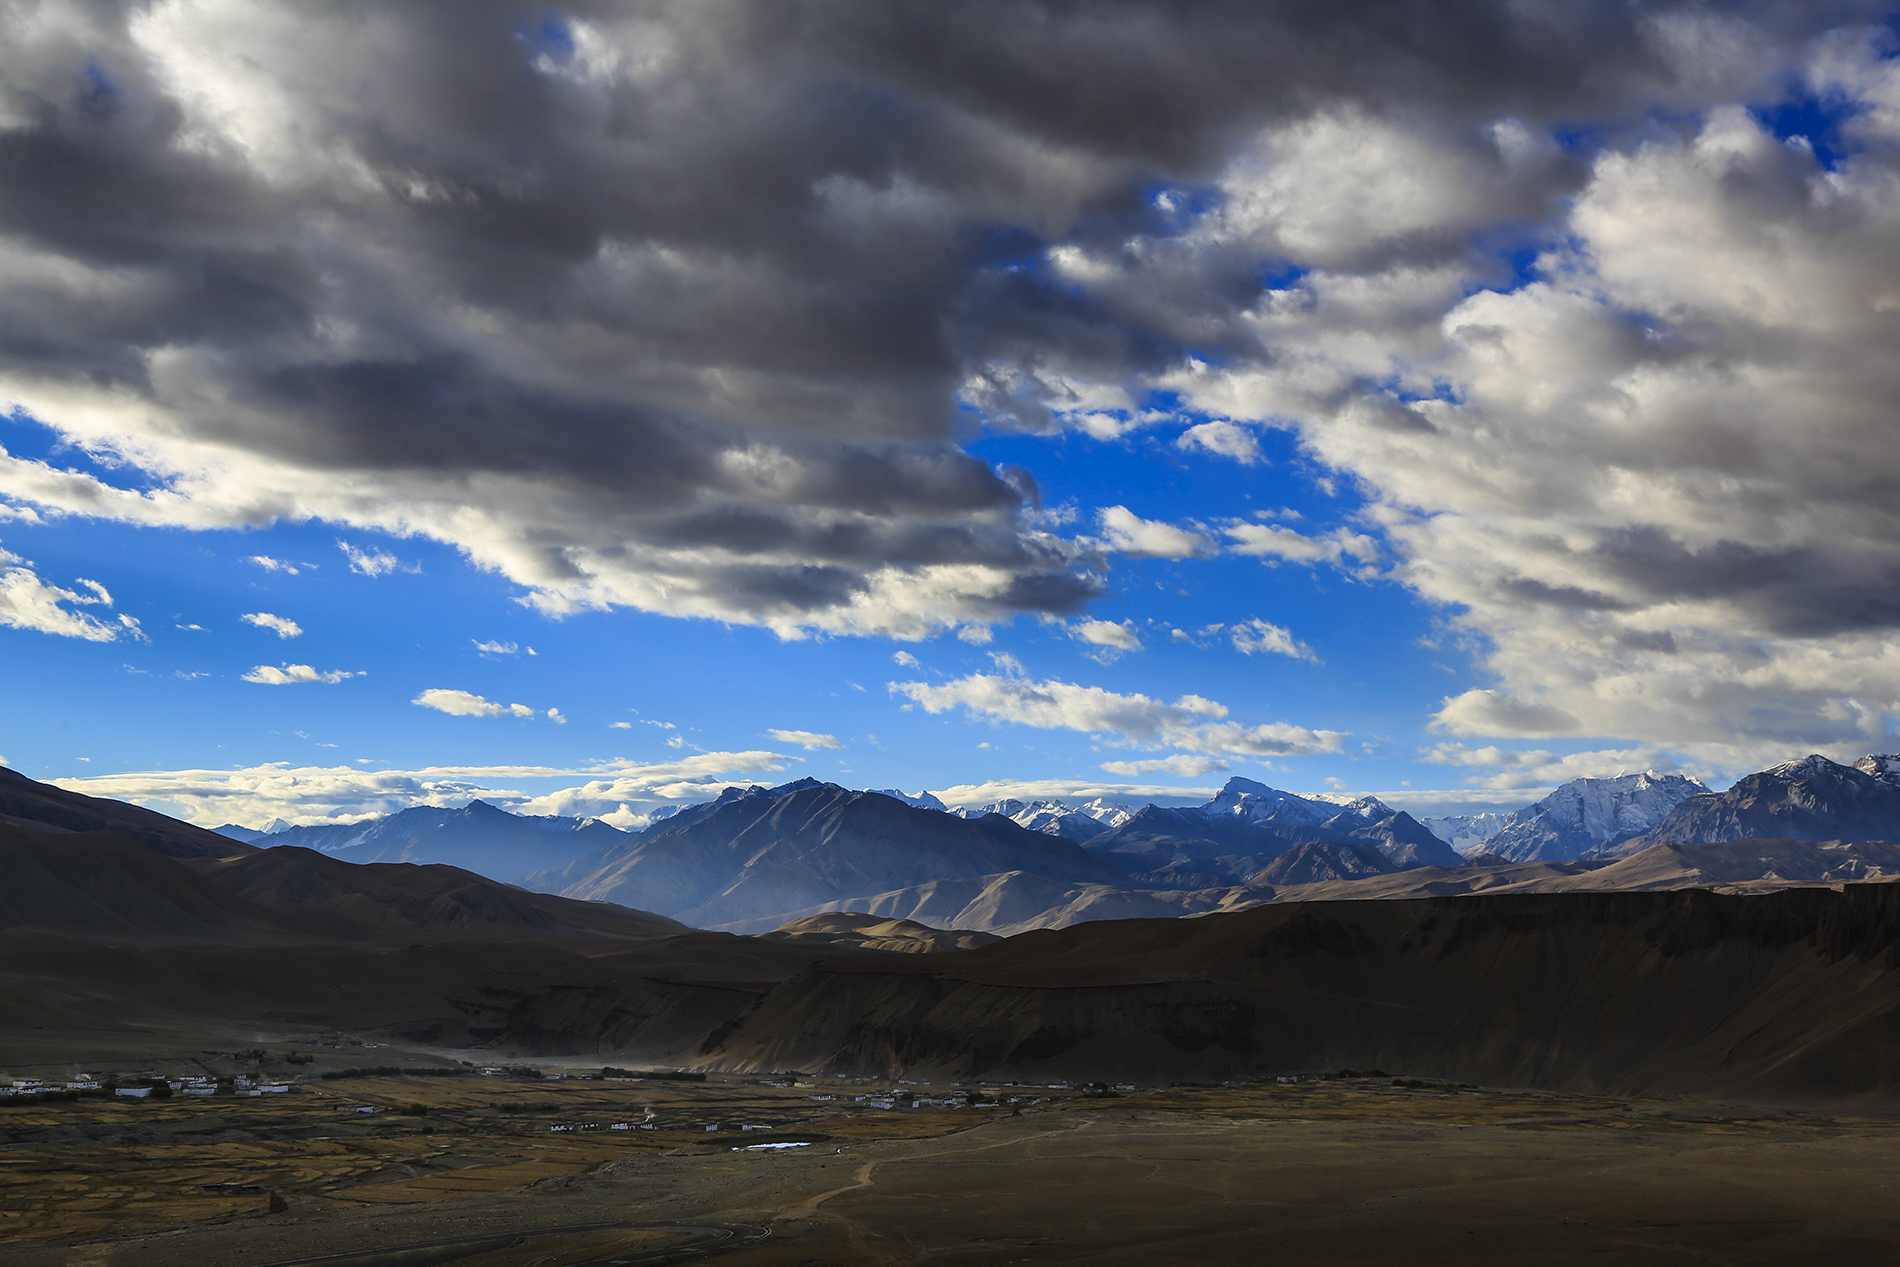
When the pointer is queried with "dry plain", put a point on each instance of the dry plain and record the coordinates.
(1353, 1171)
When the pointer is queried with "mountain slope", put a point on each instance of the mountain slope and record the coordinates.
(400, 895)
(1810, 799)
(1585, 815)
(478, 837)
(1246, 826)
(848, 934)
(766, 853)
(107, 888)
(43, 807)
(1018, 902)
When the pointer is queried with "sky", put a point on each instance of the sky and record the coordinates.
(589, 407)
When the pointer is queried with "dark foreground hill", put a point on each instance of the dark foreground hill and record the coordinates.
(1794, 993)
(39, 806)
(399, 895)
(107, 945)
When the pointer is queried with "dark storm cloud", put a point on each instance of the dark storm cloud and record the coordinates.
(715, 272)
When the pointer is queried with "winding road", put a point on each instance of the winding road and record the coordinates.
(428, 1253)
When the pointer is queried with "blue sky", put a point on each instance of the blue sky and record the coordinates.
(589, 407)
(179, 700)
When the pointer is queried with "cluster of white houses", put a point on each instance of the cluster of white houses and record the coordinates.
(33, 1086)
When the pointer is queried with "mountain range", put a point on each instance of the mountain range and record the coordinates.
(1582, 817)
(1810, 799)
(1774, 984)
(478, 837)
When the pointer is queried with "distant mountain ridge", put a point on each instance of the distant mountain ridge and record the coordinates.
(1587, 815)
(761, 853)
(1811, 799)
(1248, 824)
(477, 837)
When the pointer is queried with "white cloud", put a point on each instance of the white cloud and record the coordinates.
(1257, 635)
(467, 704)
(620, 725)
(282, 626)
(1188, 767)
(276, 565)
(293, 674)
(1191, 723)
(1108, 634)
(1127, 533)
(1070, 792)
(27, 602)
(1531, 768)
(554, 715)
(1275, 541)
(622, 792)
(805, 739)
(1223, 438)
(904, 659)
(493, 649)
(374, 561)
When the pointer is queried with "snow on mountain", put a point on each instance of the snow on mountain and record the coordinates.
(1256, 803)
(1053, 818)
(923, 800)
(1585, 815)
(1810, 799)
(1467, 833)
(1885, 767)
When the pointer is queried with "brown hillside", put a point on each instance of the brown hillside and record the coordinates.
(43, 807)
(404, 895)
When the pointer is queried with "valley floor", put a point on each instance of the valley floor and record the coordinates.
(1335, 1172)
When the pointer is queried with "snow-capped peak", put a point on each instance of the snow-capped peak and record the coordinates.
(923, 800)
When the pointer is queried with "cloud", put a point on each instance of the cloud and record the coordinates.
(276, 565)
(1536, 767)
(1608, 364)
(622, 792)
(496, 648)
(805, 739)
(1257, 635)
(374, 561)
(1274, 541)
(1191, 723)
(1070, 792)
(1223, 438)
(466, 704)
(1127, 533)
(282, 626)
(1186, 766)
(620, 725)
(27, 602)
(1113, 637)
(294, 674)
(904, 659)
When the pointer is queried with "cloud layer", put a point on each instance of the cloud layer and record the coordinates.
(623, 793)
(687, 307)
(1190, 724)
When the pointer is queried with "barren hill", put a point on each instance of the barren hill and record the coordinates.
(392, 895)
(39, 806)
(1789, 993)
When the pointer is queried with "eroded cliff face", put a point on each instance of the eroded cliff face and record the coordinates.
(1791, 994)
